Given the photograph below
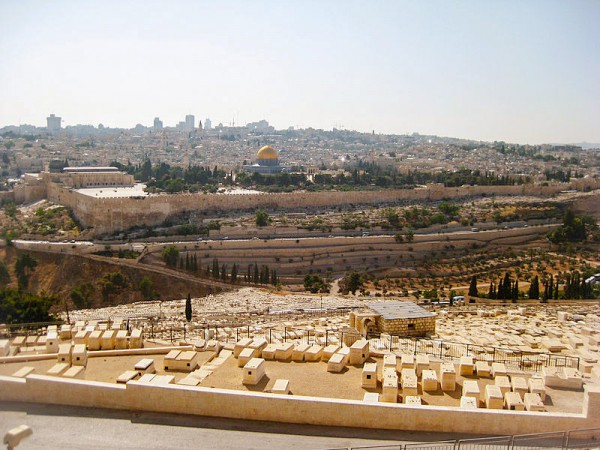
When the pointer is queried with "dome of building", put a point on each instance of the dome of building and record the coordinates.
(267, 152)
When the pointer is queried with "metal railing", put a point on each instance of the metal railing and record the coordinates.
(561, 440)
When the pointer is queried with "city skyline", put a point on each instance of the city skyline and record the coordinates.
(517, 72)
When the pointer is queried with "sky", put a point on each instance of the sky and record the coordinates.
(514, 70)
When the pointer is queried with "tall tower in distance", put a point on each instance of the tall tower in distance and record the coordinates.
(207, 124)
(190, 122)
(53, 123)
(158, 125)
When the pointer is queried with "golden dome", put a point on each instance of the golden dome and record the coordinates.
(267, 152)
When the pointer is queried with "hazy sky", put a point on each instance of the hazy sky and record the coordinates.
(520, 71)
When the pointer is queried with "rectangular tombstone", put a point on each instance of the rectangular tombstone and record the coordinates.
(5, 347)
(471, 389)
(245, 356)
(412, 400)
(241, 345)
(429, 381)
(371, 397)
(189, 381)
(19, 341)
(163, 380)
(268, 352)
(498, 369)
(128, 375)
(108, 340)
(76, 372)
(52, 342)
(185, 361)
(81, 337)
(23, 372)
(466, 366)
(79, 355)
(145, 366)
(493, 397)
(483, 369)
(469, 403)
(147, 378)
(314, 353)
(121, 340)
(533, 402)
(407, 361)
(369, 376)
(299, 352)
(409, 382)
(447, 377)
(170, 358)
(31, 341)
(94, 340)
(281, 387)
(65, 332)
(58, 369)
(536, 386)
(64, 353)
(359, 352)
(283, 351)
(254, 371)
(336, 363)
(213, 345)
(503, 383)
(421, 363)
(513, 402)
(136, 339)
(519, 384)
(329, 351)
(390, 360)
(389, 390)
(258, 344)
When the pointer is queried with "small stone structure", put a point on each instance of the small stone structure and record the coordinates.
(394, 318)
(254, 371)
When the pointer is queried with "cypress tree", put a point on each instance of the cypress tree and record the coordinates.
(234, 271)
(473, 287)
(215, 269)
(188, 308)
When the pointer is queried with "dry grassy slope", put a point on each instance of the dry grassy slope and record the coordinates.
(58, 274)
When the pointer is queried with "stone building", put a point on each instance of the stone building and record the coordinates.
(267, 162)
(395, 318)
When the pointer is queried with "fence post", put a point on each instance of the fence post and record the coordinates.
(270, 338)
(326, 337)
(248, 331)
(171, 334)
(184, 332)
(237, 334)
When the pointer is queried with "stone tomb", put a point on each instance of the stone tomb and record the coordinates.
(369, 376)
(391, 361)
(108, 340)
(52, 342)
(407, 361)
(185, 361)
(503, 383)
(283, 351)
(121, 340)
(471, 389)
(65, 332)
(469, 403)
(145, 366)
(533, 402)
(562, 377)
(336, 363)
(313, 354)
(135, 339)
(281, 387)
(81, 337)
(409, 382)
(359, 352)
(329, 351)
(447, 377)
(429, 381)
(493, 397)
(498, 369)
(64, 353)
(389, 391)
(299, 352)
(421, 363)
(241, 345)
(5, 347)
(58, 369)
(371, 397)
(466, 366)
(94, 340)
(483, 369)
(23, 372)
(76, 372)
(128, 375)
(513, 402)
(412, 400)
(254, 371)
(536, 386)
(519, 384)
(268, 352)
(258, 344)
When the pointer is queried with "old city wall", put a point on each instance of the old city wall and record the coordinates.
(141, 396)
(107, 215)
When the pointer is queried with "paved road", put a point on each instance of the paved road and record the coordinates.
(67, 427)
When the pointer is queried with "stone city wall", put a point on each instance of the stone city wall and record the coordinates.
(107, 215)
(140, 396)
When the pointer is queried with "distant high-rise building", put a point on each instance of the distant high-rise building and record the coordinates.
(207, 124)
(190, 122)
(53, 123)
(158, 124)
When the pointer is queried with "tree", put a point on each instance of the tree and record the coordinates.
(473, 287)
(262, 218)
(234, 273)
(24, 265)
(315, 284)
(17, 306)
(534, 288)
(4, 275)
(146, 288)
(410, 235)
(9, 145)
(112, 283)
(351, 283)
(188, 308)
(171, 255)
